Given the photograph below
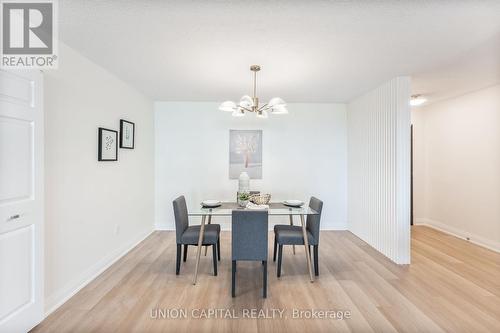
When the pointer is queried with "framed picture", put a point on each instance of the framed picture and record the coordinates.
(127, 134)
(108, 145)
(245, 153)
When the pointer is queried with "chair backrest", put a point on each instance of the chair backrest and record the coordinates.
(249, 234)
(313, 221)
(181, 217)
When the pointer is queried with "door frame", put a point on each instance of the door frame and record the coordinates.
(411, 174)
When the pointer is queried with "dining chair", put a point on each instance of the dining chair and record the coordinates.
(249, 242)
(188, 235)
(292, 235)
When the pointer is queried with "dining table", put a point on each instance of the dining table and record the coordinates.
(274, 209)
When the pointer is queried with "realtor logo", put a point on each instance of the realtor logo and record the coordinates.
(29, 34)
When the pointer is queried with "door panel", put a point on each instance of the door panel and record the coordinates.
(16, 159)
(21, 201)
(16, 283)
(16, 88)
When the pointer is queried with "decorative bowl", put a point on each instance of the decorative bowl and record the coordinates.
(260, 199)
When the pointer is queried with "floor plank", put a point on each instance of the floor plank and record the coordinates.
(451, 286)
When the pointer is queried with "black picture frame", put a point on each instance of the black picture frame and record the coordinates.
(122, 133)
(100, 140)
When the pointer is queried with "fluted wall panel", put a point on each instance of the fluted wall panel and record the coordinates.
(379, 168)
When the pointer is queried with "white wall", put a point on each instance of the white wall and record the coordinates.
(304, 154)
(85, 199)
(458, 172)
(379, 168)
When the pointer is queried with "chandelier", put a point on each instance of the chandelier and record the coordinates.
(251, 104)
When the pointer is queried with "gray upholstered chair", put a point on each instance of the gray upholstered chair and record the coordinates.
(292, 235)
(186, 235)
(249, 241)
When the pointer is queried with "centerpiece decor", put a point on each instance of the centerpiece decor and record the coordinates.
(243, 199)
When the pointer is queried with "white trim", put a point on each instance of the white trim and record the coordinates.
(60, 297)
(164, 227)
(475, 239)
(333, 226)
(225, 227)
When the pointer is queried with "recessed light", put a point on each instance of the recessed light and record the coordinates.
(417, 100)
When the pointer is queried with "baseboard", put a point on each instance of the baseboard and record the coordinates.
(333, 226)
(163, 227)
(475, 239)
(60, 297)
(225, 226)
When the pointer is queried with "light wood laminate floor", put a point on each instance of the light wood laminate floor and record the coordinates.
(451, 286)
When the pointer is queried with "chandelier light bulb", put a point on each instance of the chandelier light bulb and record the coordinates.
(262, 114)
(239, 112)
(276, 101)
(228, 106)
(246, 102)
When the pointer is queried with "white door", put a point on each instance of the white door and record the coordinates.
(21, 200)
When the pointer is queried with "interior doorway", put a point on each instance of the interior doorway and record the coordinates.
(411, 174)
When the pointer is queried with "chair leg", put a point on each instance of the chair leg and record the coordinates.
(178, 261)
(264, 291)
(214, 256)
(280, 257)
(316, 263)
(275, 246)
(185, 252)
(233, 279)
(218, 249)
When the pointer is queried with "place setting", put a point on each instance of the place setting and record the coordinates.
(210, 203)
(293, 203)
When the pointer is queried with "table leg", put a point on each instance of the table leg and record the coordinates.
(209, 221)
(200, 244)
(306, 244)
(291, 223)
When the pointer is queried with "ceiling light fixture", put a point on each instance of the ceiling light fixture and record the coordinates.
(417, 100)
(251, 104)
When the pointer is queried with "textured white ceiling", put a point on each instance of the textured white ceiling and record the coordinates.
(310, 51)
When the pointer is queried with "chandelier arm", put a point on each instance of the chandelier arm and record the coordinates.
(264, 107)
(244, 108)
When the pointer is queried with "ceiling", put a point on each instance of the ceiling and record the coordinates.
(310, 51)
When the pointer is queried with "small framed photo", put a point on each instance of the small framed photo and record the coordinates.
(127, 134)
(108, 145)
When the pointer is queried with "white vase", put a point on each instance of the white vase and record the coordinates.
(244, 183)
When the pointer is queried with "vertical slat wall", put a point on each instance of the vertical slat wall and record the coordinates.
(379, 168)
